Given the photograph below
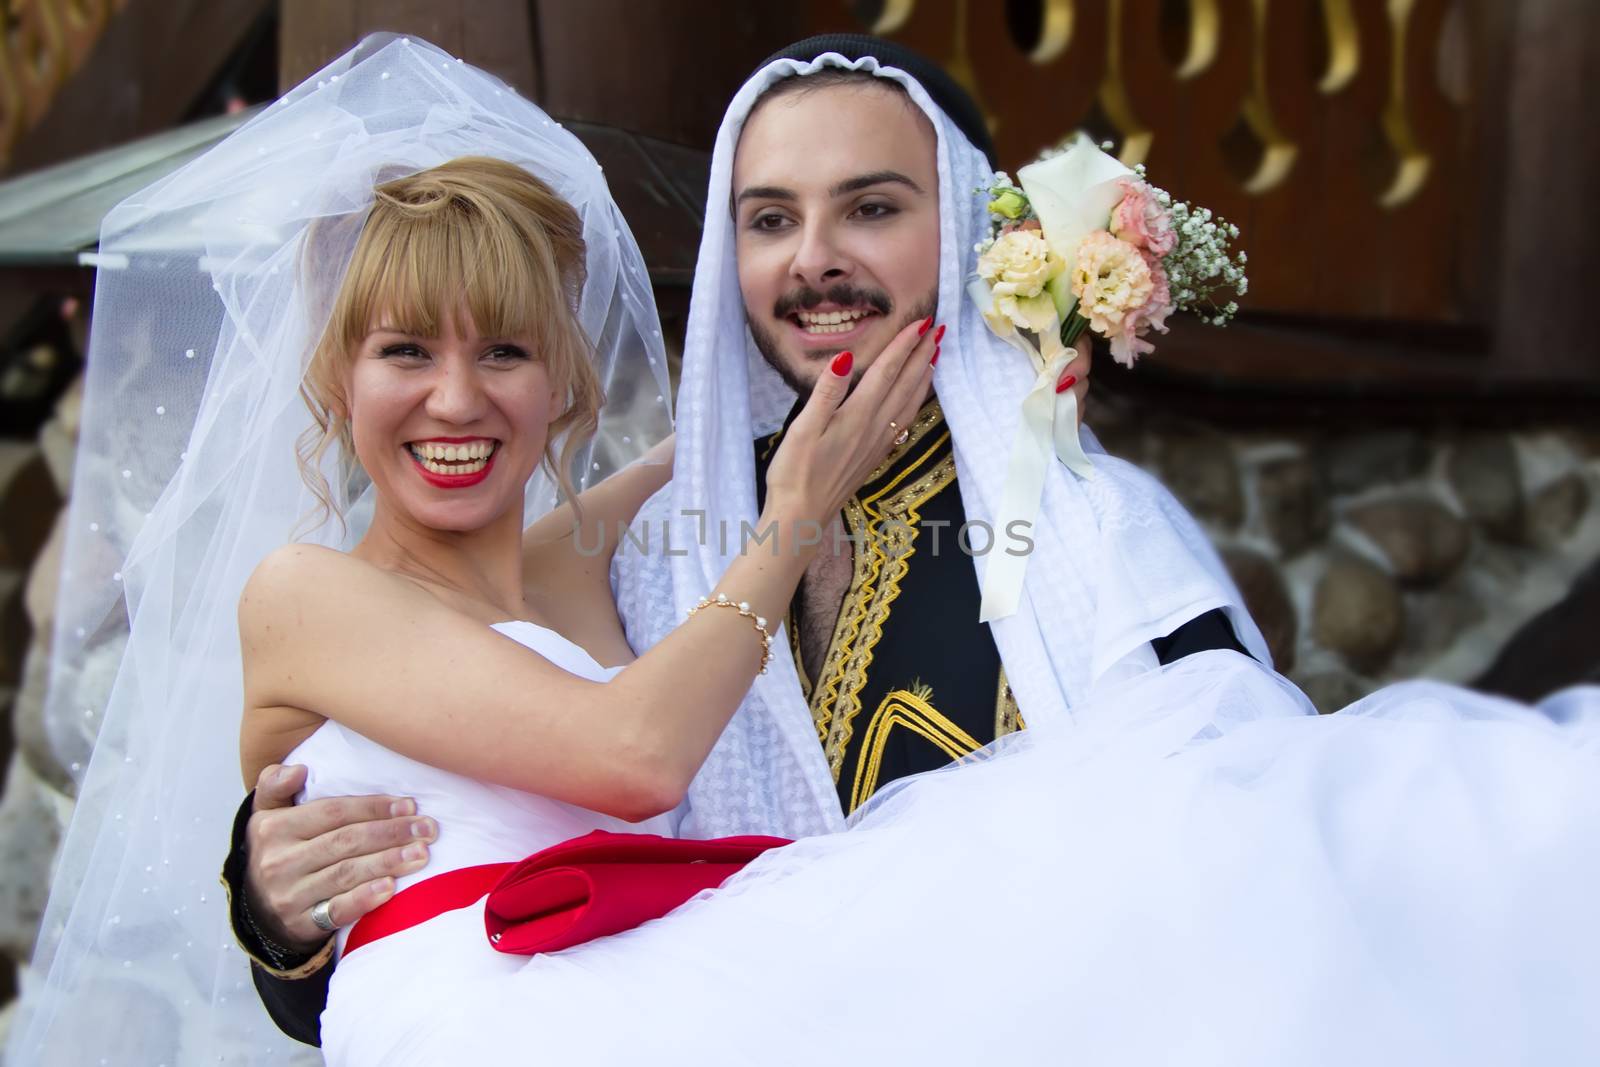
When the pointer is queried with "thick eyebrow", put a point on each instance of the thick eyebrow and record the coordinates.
(877, 177)
(765, 192)
(849, 185)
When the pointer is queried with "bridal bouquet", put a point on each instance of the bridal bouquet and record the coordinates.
(1085, 243)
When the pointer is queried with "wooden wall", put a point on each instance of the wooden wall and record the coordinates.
(1413, 176)
(665, 68)
(81, 75)
(496, 35)
(1409, 174)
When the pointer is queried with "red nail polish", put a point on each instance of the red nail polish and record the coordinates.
(1067, 382)
(842, 363)
(934, 362)
(938, 335)
(925, 324)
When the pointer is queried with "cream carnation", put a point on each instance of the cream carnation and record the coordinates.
(1111, 281)
(1017, 267)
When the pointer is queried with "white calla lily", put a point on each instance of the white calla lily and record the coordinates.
(1073, 194)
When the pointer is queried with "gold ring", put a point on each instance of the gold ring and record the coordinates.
(902, 435)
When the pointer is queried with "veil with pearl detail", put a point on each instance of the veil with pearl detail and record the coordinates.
(213, 287)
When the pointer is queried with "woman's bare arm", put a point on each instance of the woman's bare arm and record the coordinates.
(605, 509)
(568, 563)
(331, 633)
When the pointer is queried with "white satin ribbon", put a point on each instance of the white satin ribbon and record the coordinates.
(1049, 425)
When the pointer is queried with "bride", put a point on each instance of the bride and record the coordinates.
(1197, 872)
(449, 363)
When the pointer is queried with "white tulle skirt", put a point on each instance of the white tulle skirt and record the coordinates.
(1202, 872)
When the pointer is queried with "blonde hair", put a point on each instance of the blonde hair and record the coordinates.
(477, 234)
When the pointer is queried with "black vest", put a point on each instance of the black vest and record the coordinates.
(911, 679)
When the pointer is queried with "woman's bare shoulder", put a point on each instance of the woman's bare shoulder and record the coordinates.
(296, 561)
(305, 578)
(295, 568)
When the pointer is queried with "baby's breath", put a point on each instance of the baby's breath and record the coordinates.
(1202, 263)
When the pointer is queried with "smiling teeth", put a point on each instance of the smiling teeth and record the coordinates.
(470, 467)
(453, 453)
(829, 321)
(468, 458)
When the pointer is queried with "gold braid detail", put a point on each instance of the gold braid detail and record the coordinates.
(822, 693)
(930, 416)
(914, 712)
(864, 574)
(836, 698)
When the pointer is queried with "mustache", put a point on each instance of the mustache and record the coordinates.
(845, 294)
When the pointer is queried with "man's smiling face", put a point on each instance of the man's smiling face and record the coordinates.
(836, 210)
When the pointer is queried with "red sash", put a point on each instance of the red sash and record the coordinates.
(589, 887)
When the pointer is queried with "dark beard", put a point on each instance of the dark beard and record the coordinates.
(767, 340)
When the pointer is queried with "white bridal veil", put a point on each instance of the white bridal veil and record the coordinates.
(208, 303)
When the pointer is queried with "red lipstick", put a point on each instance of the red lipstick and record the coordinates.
(454, 481)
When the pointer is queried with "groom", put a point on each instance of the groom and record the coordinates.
(834, 187)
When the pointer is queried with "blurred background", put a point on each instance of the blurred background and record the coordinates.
(1395, 446)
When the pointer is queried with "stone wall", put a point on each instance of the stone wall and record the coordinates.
(1369, 555)
(36, 801)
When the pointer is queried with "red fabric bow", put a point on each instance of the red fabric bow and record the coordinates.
(588, 887)
(605, 883)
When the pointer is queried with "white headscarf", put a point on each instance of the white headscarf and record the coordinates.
(1117, 561)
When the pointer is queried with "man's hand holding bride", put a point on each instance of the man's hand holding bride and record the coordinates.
(345, 850)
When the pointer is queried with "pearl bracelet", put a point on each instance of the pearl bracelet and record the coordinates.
(743, 608)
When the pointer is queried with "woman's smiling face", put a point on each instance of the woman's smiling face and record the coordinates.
(450, 428)
(453, 355)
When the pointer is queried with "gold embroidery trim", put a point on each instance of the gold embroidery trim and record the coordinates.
(824, 692)
(1007, 718)
(930, 416)
(927, 418)
(318, 960)
(882, 557)
(899, 479)
(821, 701)
(902, 708)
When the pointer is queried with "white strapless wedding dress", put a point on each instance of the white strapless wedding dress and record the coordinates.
(1201, 872)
